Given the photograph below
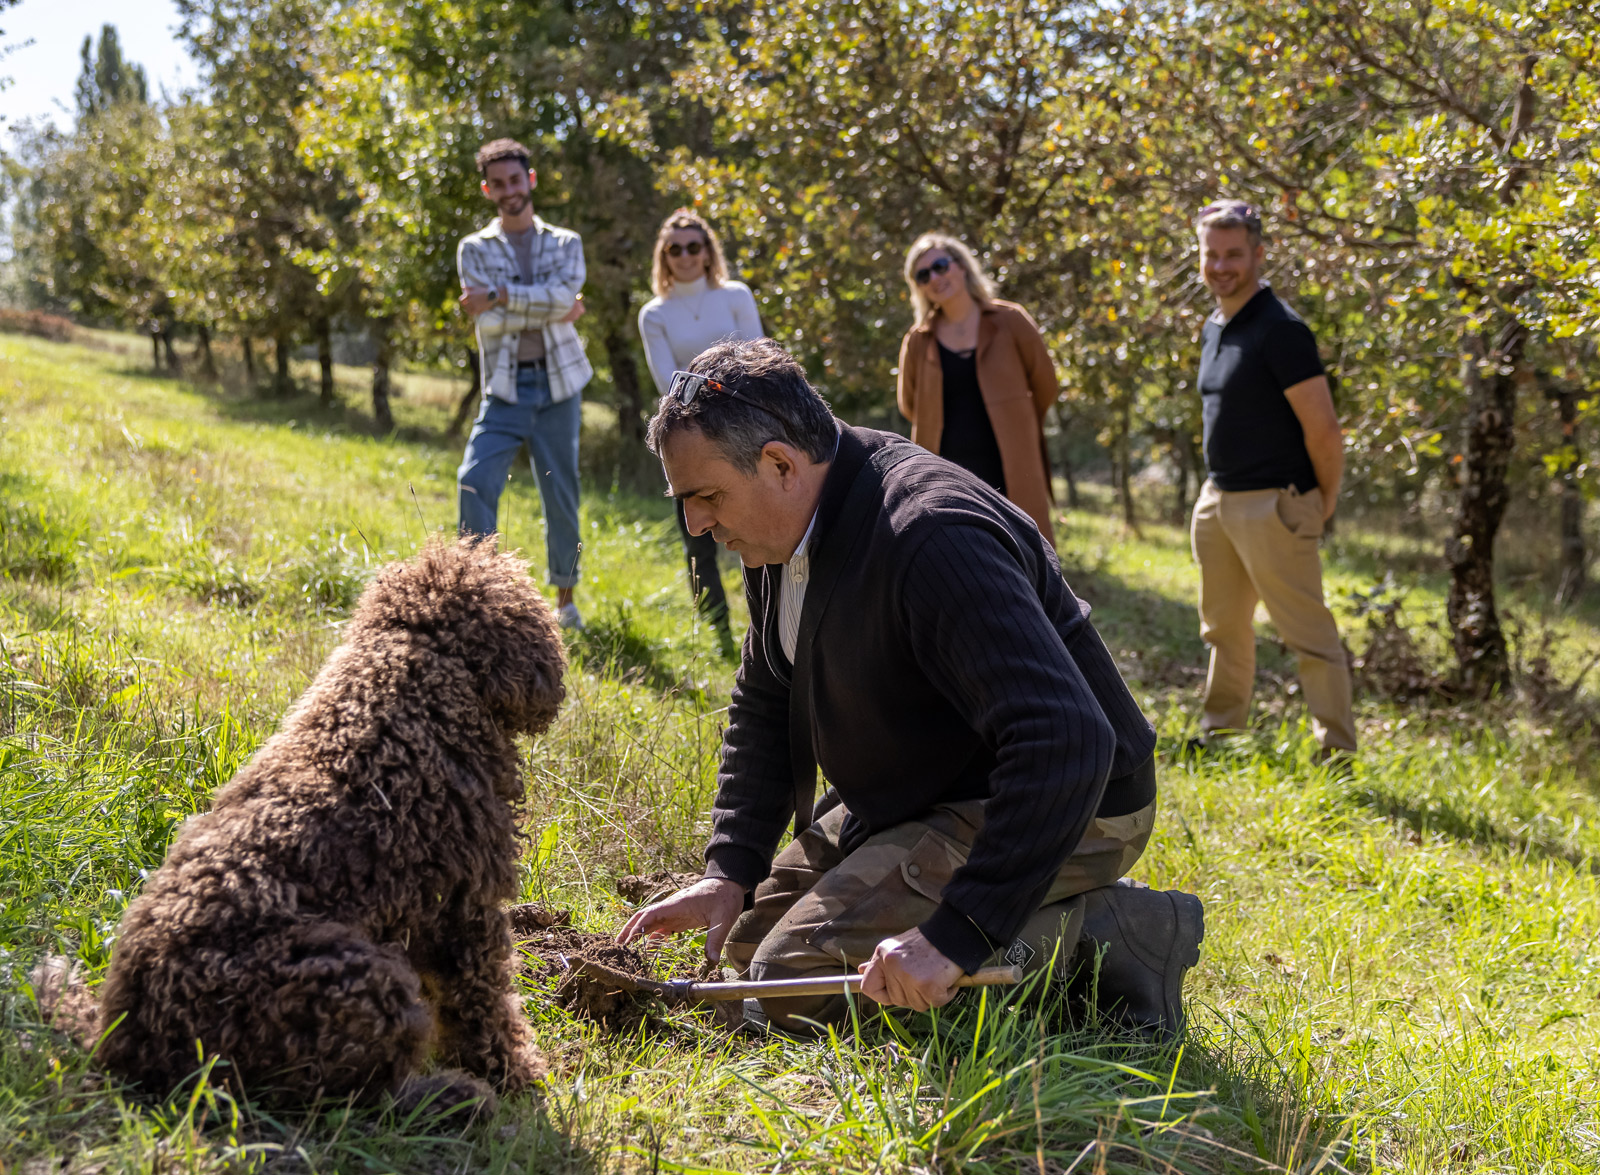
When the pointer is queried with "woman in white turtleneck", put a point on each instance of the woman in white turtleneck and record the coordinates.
(695, 306)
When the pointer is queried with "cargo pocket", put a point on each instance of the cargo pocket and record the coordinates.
(903, 899)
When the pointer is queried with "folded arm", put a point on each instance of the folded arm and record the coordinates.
(523, 307)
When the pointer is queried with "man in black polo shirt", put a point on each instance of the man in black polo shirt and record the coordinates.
(991, 775)
(1275, 455)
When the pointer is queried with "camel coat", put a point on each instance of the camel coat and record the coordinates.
(1017, 379)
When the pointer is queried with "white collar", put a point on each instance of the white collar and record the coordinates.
(802, 553)
(680, 289)
(799, 563)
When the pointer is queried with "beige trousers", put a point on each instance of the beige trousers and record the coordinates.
(1262, 544)
(822, 912)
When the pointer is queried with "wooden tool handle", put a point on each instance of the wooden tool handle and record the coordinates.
(827, 985)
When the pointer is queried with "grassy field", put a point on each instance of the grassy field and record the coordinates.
(1402, 967)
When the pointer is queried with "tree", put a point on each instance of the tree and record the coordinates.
(259, 216)
(106, 78)
(408, 92)
(1432, 155)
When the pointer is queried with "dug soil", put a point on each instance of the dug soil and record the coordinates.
(643, 888)
(554, 950)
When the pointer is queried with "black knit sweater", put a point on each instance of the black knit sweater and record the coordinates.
(948, 660)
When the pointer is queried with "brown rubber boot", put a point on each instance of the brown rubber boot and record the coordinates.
(1144, 940)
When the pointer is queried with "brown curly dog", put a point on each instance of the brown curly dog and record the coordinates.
(337, 915)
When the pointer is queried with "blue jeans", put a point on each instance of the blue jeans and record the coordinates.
(551, 434)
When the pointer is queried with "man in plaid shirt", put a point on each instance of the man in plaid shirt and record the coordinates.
(521, 280)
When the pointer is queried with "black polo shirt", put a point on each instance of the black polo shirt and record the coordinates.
(1253, 439)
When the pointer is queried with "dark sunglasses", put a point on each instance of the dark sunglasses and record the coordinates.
(692, 248)
(925, 274)
(686, 385)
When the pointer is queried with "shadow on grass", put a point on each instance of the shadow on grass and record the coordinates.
(1451, 818)
(260, 404)
(53, 1086)
(1155, 639)
(1008, 1083)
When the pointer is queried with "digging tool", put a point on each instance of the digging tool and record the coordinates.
(679, 991)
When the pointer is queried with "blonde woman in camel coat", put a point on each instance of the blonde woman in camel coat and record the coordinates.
(1002, 379)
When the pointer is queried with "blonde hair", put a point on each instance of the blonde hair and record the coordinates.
(661, 274)
(978, 283)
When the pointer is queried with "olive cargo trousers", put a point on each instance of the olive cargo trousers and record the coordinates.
(821, 912)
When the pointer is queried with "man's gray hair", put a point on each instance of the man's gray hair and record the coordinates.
(1231, 214)
(767, 399)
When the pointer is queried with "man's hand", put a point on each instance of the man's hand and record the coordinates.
(712, 904)
(578, 310)
(475, 299)
(908, 971)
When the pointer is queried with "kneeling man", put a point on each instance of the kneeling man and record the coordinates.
(991, 776)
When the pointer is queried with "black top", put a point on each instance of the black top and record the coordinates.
(946, 660)
(1253, 439)
(968, 437)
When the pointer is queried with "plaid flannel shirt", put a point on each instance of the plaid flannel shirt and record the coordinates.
(486, 260)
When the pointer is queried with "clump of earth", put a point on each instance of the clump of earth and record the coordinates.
(593, 972)
(555, 950)
(644, 888)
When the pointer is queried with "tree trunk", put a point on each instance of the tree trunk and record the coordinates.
(1064, 455)
(1574, 574)
(629, 397)
(1125, 462)
(155, 348)
(325, 358)
(1489, 374)
(208, 361)
(249, 360)
(1180, 497)
(1196, 466)
(468, 401)
(173, 366)
(382, 416)
(282, 378)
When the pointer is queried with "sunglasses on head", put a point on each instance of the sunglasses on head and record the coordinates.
(676, 250)
(1239, 208)
(925, 274)
(686, 386)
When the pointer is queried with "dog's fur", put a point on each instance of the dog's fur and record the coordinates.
(338, 912)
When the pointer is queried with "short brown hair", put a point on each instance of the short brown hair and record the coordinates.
(1231, 214)
(498, 149)
(716, 269)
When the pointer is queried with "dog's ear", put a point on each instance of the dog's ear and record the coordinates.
(477, 604)
(523, 673)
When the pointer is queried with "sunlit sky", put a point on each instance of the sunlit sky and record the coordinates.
(43, 73)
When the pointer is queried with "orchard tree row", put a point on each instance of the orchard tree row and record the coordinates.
(1427, 172)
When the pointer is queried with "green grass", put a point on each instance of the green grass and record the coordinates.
(1401, 971)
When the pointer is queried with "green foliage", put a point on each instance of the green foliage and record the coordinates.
(1398, 962)
(106, 79)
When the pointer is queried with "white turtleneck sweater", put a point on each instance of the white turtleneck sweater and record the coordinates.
(689, 319)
